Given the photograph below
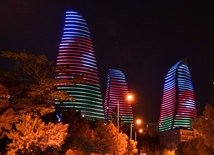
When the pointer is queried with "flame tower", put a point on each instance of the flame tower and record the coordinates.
(76, 51)
(178, 106)
(117, 90)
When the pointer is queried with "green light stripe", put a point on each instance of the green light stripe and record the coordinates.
(182, 123)
(73, 95)
(78, 88)
(95, 116)
(127, 119)
(127, 116)
(83, 85)
(92, 112)
(80, 103)
(82, 107)
(182, 120)
(79, 99)
(82, 92)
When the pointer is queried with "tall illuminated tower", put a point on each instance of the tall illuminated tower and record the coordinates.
(178, 103)
(178, 106)
(76, 51)
(117, 90)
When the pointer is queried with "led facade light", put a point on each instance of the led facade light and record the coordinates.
(117, 90)
(77, 53)
(178, 106)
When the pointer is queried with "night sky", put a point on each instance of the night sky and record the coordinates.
(143, 39)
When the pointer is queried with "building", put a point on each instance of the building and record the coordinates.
(178, 106)
(151, 129)
(77, 53)
(116, 93)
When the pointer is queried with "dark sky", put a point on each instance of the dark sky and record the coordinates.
(143, 39)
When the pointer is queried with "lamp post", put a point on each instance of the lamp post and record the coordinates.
(140, 131)
(138, 122)
(130, 98)
(118, 126)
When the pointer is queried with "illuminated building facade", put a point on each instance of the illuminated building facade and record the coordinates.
(117, 91)
(178, 106)
(76, 52)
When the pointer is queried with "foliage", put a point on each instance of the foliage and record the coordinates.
(35, 76)
(80, 134)
(204, 125)
(4, 97)
(122, 143)
(150, 143)
(73, 152)
(131, 146)
(30, 89)
(124, 127)
(179, 149)
(102, 138)
(108, 140)
(197, 147)
(33, 134)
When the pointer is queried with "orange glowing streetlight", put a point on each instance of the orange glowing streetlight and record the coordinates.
(140, 130)
(138, 121)
(129, 97)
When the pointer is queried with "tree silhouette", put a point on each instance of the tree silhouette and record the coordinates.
(33, 135)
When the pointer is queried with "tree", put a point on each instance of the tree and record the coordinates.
(124, 127)
(108, 140)
(35, 76)
(150, 143)
(105, 138)
(204, 143)
(33, 135)
(4, 97)
(197, 147)
(131, 146)
(31, 88)
(80, 135)
(205, 126)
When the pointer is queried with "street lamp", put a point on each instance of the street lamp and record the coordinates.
(118, 116)
(130, 97)
(140, 131)
(138, 122)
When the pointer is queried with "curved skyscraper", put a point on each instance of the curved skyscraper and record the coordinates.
(76, 51)
(117, 91)
(178, 106)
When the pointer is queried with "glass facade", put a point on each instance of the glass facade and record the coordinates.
(76, 53)
(178, 106)
(117, 91)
